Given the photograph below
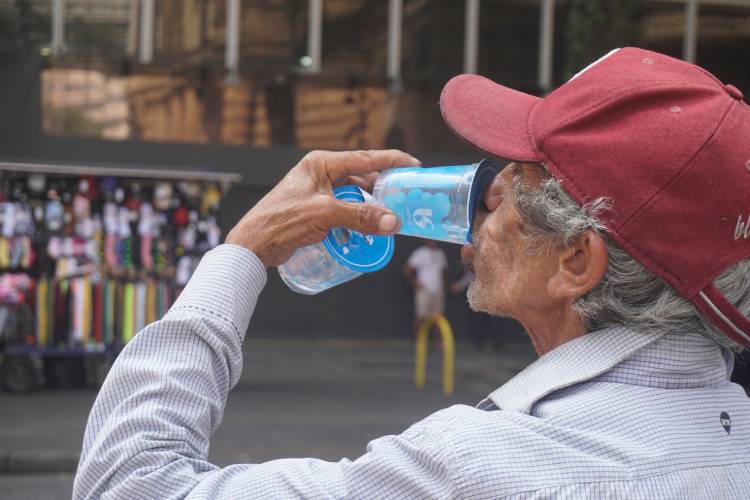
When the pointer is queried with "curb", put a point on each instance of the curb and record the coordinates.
(37, 463)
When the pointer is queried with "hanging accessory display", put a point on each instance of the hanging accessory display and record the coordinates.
(93, 260)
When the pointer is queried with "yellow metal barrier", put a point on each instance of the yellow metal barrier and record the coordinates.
(420, 362)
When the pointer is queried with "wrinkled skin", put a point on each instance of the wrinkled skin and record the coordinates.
(535, 285)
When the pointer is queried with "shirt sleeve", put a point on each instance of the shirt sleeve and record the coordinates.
(148, 432)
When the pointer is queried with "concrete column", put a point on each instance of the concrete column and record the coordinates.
(315, 34)
(146, 48)
(471, 36)
(58, 27)
(546, 44)
(395, 16)
(690, 37)
(232, 44)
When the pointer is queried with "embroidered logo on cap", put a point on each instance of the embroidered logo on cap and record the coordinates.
(726, 422)
(743, 228)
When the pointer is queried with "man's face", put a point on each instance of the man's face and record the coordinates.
(510, 280)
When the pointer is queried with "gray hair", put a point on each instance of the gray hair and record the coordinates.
(628, 294)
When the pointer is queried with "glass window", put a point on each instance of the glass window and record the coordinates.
(432, 41)
(508, 42)
(96, 28)
(723, 43)
(273, 35)
(662, 27)
(189, 32)
(355, 38)
(24, 24)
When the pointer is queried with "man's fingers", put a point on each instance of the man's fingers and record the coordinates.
(363, 217)
(340, 164)
(366, 182)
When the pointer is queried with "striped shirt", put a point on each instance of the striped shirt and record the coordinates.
(612, 414)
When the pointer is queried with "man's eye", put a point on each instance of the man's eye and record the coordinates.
(492, 200)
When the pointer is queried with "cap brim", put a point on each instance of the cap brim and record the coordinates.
(491, 117)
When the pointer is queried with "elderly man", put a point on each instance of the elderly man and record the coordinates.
(619, 238)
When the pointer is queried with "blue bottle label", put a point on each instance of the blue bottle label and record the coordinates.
(360, 252)
(420, 213)
(428, 214)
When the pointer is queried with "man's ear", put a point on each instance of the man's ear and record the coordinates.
(580, 267)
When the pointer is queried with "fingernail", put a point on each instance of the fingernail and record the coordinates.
(387, 223)
(416, 160)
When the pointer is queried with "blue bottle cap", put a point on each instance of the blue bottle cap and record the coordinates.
(359, 252)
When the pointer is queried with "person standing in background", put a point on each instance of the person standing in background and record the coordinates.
(426, 271)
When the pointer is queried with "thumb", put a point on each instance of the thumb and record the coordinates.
(364, 217)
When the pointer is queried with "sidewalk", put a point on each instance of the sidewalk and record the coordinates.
(324, 399)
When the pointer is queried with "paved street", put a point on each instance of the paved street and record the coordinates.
(296, 398)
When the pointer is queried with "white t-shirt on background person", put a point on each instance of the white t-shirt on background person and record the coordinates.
(428, 264)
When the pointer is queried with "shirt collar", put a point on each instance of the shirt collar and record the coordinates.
(576, 361)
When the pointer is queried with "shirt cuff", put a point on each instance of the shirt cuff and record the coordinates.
(226, 284)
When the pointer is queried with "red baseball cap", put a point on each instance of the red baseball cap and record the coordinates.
(665, 140)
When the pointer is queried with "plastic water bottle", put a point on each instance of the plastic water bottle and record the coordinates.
(342, 255)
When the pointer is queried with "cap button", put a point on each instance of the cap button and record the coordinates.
(734, 92)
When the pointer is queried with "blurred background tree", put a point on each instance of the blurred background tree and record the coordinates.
(594, 27)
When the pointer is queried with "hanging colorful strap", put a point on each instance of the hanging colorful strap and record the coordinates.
(127, 313)
(140, 307)
(28, 253)
(150, 302)
(97, 316)
(41, 312)
(76, 310)
(50, 310)
(109, 312)
(159, 300)
(127, 252)
(4, 253)
(110, 251)
(16, 252)
(86, 296)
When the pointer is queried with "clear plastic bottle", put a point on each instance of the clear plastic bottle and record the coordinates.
(342, 256)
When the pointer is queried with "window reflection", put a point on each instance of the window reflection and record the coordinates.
(96, 28)
(355, 37)
(184, 95)
(723, 43)
(662, 27)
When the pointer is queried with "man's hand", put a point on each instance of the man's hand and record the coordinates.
(301, 209)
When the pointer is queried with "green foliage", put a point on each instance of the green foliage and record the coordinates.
(595, 27)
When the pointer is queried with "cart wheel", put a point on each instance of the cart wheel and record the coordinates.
(19, 374)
